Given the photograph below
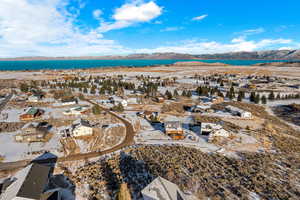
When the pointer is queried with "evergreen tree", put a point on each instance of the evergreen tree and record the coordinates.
(278, 96)
(168, 95)
(271, 96)
(85, 90)
(183, 93)
(175, 93)
(189, 94)
(263, 99)
(24, 87)
(252, 97)
(240, 96)
(257, 99)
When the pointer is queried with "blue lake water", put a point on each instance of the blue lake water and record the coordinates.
(81, 64)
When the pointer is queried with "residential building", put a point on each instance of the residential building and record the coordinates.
(28, 184)
(33, 132)
(31, 113)
(159, 99)
(117, 100)
(161, 188)
(208, 128)
(82, 128)
(200, 108)
(69, 101)
(78, 110)
(238, 112)
(35, 98)
(174, 130)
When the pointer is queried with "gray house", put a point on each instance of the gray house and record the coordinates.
(161, 188)
(28, 183)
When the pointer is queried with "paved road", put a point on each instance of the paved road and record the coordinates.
(5, 101)
(130, 132)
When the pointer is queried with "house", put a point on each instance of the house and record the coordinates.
(78, 110)
(69, 101)
(219, 133)
(210, 100)
(31, 113)
(200, 108)
(161, 188)
(81, 128)
(158, 99)
(174, 130)
(28, 184)
(33, 132)
(238, 112)
(35, 98)
(117, 100)
(208, 128)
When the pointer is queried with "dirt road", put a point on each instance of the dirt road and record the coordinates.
(130, 132)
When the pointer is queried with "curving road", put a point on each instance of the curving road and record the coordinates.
(128, 140)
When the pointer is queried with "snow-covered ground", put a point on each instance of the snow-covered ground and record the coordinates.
(12, 115)
(283, 102)
(13, 151)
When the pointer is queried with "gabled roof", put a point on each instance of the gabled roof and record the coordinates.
(29, 183)
(81, 122)
(162, 189)
(32, 111)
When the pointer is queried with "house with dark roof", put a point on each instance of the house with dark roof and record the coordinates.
(28, 184)
(162, 189)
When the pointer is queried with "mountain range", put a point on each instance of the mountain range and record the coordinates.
(254, 55)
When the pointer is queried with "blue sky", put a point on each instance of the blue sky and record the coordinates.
(112, 27)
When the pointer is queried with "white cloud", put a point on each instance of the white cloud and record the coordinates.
(169, 29)
(249, 32)
(97, 14)
(199, 18)
(237, 44)
(30, 28)
(132, 13)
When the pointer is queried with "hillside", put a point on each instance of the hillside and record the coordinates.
(154, 56)
(255, 55)
(264, 55)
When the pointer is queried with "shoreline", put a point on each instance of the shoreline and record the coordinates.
(67, 66)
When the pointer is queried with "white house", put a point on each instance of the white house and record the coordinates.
(68, 102)
(207, 128)
(246, 114)
(239, 112)
(33, 98)
(161, 188)
(78, 110)
(220, 133)
(81, 128)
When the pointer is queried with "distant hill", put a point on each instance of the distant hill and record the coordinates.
(154, 56)
(255, 55)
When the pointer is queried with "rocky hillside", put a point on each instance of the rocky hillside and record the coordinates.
(265, 55)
